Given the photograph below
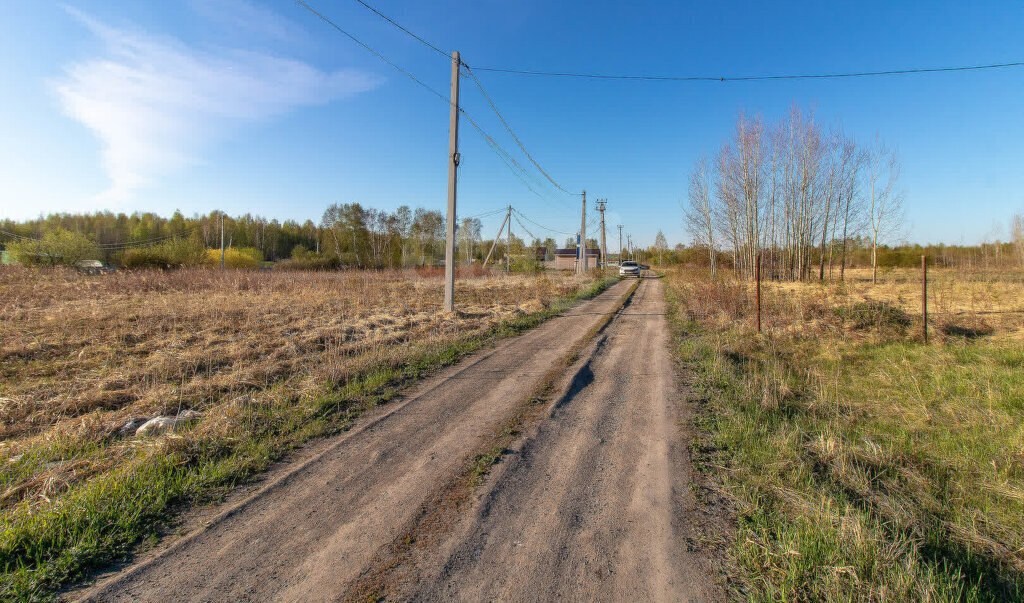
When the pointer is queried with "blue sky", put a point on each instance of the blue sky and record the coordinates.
(260, 107)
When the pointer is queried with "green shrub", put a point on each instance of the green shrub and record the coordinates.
(246, 258)
(57, 247)
(175, 253)
(304, 259)
(525, 264)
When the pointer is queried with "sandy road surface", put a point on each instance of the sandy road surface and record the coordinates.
(308, 536)
(596, 504)
(593, 503)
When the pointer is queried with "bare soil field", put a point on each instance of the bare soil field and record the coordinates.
(249, 363)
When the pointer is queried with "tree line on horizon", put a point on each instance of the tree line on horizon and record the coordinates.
(349, 235)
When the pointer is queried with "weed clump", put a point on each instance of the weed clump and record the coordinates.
(875, 315)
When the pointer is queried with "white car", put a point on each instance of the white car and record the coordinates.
(629, 268)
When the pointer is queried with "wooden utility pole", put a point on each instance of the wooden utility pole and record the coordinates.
(924, 297)
(601, 203)
(581, 265)
(222, 240)
(453, 164)
(619, 254)
(498, 236)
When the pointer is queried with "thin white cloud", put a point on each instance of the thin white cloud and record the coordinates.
(254, 18)
(156, 103)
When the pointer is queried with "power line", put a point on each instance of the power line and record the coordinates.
(513, 134)
(152, 241)
(527, 230)
(750, 78)
(485, 213)
(100, 246)
(493, 144)
(525, 217)
(418, 38)
(697, 78)
(18, 236)
(407, 74)
(469, 71)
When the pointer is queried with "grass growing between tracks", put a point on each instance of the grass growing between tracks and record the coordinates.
(863, 464)
(117, 491)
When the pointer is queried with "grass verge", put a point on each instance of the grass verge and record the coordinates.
(863, 465)
(103, 519)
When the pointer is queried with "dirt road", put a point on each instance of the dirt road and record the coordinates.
(591, 504)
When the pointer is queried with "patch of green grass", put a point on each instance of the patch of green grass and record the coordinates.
(103, 519)
(482, 463)
(864, 470)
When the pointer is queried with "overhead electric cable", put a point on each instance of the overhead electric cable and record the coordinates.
(407, 74)
(525, 217)
(698, 78)
(504, 122)
(487, 137)
(485, 213)
(18, 236)
(523, 226)
(399, 26)
(750, 78)
(469, 71)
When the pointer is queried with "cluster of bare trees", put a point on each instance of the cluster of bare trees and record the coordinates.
(1017, 236)
(792, 194)
(366, 237)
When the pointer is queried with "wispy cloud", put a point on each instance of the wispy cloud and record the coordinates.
(245, 15)
(156, 103)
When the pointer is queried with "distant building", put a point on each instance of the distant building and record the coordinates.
(565, 259)
(91, 267)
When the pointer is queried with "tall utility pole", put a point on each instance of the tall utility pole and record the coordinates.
(453, 164)
(222, 240)
(620, 245)
(581, 266)
(601, 203)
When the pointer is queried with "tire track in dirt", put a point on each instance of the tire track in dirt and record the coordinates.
(309, 534)
(595, 504)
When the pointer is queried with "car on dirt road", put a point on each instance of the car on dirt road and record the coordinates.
(629, 268)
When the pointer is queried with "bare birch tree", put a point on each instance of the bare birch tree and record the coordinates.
(884, 201)
(699, 213)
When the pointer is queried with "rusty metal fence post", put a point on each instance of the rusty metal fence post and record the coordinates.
(757, 277)
(924, 297)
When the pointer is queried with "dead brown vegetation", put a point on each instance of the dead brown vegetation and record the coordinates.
(81, 356)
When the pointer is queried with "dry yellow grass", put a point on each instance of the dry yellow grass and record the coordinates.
(986, 302)
(865, 464)
(80, 356)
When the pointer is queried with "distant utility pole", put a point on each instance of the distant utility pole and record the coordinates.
(508, 252)
(581, 266)
(222, 240)
(619, 254)
(453, 164)
(498, 236)
(629, 244)
(601, 203)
